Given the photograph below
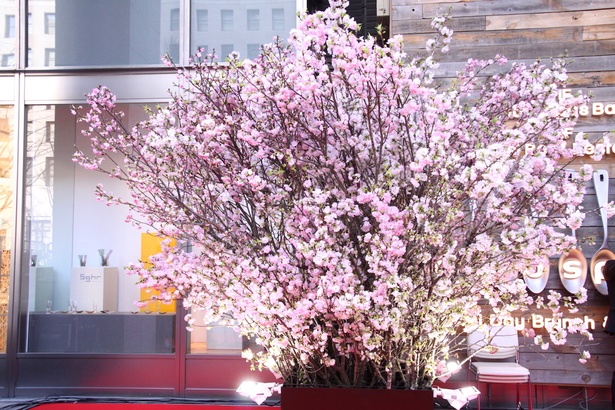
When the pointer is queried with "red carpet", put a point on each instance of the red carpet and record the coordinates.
(147, 406)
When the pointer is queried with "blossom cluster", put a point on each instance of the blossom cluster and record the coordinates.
(346, 212)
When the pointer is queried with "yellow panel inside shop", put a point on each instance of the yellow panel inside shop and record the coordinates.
(151, 244)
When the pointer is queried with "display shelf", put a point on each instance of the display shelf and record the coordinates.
(99, 332)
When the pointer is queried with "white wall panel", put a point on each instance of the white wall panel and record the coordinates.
(66, 89)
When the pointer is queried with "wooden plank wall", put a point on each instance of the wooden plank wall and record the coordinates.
(526, 30)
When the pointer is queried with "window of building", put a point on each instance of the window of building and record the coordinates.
(226, 20)
(76, 303)
(253, 22)
(174, 22)
(9, 26)
(277, 19)
(202, 20)
(29, 23)
(50, 23)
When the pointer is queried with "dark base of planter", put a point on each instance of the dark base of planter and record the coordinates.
(308, 398)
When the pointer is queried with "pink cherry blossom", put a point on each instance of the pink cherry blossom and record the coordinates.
(347, 212)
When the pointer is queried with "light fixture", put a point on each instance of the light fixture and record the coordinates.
(452, 367)
(457, 398)
(258, 392)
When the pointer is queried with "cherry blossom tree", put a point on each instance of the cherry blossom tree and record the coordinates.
(347, 211)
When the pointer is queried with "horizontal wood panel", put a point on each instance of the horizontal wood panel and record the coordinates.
(578, 65)
(424, 25)
(571, 378)
(406, 12)
(474, 8)
(573, 18)
(419, 2)
(523, 51)
(592, 79)
(503, 38)
(601, 32)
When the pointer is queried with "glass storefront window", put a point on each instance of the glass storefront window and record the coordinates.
(6, 215)
(102, 33)
(216, 338)
(76, 305)
(8, 33)
(80, 300)
(220, 26)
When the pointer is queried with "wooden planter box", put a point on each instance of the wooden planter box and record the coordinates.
(310, 398)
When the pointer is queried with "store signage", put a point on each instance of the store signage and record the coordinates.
(538, 321)
(536, 279)
(598, 277)
(588, 110)
(596, 109)
(90, 278)
(573, 271)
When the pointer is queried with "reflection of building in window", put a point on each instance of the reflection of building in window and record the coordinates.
(202, 20)
(226, 20)
(49, 171)
(39, 231)
(9, 26)
(50, 24)
(173, 51)
(41, 32)
(277, 19)
(40, 173)
(225, 50)
(253, 20)
(216, 23)
(50, 57)
(50, 131)
(174, 23)
(8, 60)
(253, 50)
